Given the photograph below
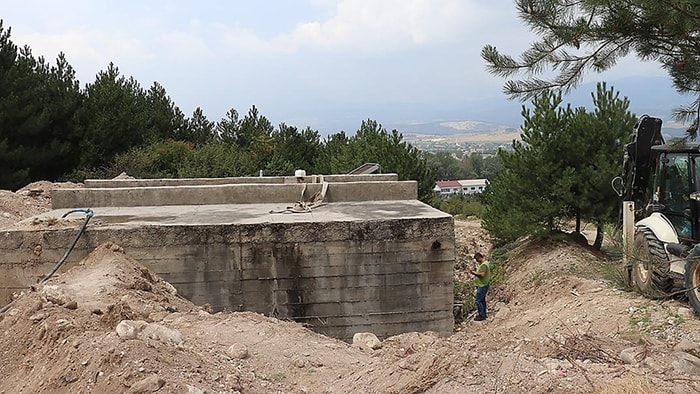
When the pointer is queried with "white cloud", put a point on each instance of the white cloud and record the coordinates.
(287, 55)
(180, 45)
(75, 44)
(85, 45)
(370, 26)
(241, 39)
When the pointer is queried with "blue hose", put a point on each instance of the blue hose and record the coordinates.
(89, 214)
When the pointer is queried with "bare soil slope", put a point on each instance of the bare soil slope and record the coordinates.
(111, 325)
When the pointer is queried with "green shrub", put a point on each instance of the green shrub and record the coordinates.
(459, 205)
(217, 160)
(158, 160)
(464, 297)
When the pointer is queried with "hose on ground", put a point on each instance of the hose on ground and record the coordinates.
(89, 214)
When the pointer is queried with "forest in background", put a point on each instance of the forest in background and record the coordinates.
(51, 128)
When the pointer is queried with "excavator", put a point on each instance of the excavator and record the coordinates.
(660, 191)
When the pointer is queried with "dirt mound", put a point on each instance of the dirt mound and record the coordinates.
(111, 325)
(31, 200)
(555, 325)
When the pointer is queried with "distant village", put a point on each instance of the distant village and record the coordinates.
(486, 148)
(486, 143)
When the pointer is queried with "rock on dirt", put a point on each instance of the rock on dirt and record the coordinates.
(555, 325)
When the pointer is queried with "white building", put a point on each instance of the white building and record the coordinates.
(473, 186)
(464, 186)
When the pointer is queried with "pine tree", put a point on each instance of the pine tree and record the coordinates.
(532, 194)
(38, 104)
(561, 169)
(199, 129)
(293, 150)
(577, 36)
(609, 127)
(165, 120)
(374, 144)
(115, 118)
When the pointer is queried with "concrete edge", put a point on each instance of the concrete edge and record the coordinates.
(232, 194)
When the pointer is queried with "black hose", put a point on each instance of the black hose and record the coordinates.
(89, 215)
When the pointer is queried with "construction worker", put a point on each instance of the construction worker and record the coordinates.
(482, 280)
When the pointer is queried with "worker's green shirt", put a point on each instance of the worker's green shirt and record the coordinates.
(485, 266)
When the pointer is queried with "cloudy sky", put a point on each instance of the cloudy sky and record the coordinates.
(302, 62)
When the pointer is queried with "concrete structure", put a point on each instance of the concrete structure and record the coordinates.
(367, 256)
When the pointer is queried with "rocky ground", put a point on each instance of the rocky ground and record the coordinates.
(109, 325)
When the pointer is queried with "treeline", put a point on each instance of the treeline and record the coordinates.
(448, 165)
(52, 128)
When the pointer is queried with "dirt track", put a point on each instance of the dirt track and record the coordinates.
(110, 325)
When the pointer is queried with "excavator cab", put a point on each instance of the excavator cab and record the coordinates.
(674, 187)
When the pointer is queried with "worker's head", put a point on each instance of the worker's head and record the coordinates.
(478, 257)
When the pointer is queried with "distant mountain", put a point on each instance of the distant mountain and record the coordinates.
(654, 96)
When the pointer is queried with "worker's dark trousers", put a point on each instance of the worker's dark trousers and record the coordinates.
(481, 300)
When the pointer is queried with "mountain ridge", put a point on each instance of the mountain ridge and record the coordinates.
(654, 96)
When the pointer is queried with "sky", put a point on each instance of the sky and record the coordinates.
(318, 63)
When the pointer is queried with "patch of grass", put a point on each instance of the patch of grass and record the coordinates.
(640, 318)
(464, 295)
(639, 325)
(538, 277)
(677, 318)
(276, 377)
(616, 274)
(659, 321)
(498, 258)
(460, 205)
(612, 244)
(463, 289)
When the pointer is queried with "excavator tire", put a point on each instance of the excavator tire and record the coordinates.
(692, 283)
(650, 267)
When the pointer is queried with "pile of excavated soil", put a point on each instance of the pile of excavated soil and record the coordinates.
(110, 325)
(28, 201)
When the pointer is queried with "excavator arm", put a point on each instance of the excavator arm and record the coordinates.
(638, 163)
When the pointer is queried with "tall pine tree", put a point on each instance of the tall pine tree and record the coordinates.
(115, 118)
(561, 170)
(38, 104)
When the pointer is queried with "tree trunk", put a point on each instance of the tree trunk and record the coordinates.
(598, 243)
(578, 221)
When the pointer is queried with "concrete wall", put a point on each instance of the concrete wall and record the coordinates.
(231, 194)
(384, 276)
(111, 183)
